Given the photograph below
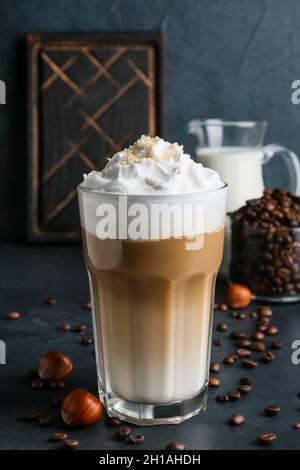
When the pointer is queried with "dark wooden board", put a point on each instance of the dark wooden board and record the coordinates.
(89, 95)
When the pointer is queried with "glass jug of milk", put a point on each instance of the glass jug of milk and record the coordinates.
(235, 150)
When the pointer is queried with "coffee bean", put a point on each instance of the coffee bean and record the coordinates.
(234, 314)
(70, 444)
(265, 311)
(243, 352)
(86, 340)
(176, 446)
(249, 363)
(228, 360)
(29, 415)
(272, 410)
(236, 419)
(215, 367)
(136, 439)
(276, 344)
(222, 398)
(64, 326)
(80, 328)
(253, 314)
(257, 347)
(244, 389)
(45, 420)
(214, 382)
(50, 301)
(266, 438)
(58, 437)
(267, 357)
(234, 395)
(241, 316)
(37, 384)
(245, 380)
(216, 306)
(242, 343)
(223, 307)
(237, 335)
(296, 425)
(263, 321)
(261, 327)
(272, 330)
(122, 432)
(88, 306)
(14, 315)
(57, 385)
(58, 399)
(221, 327)
(112, 421)
(217, 342)
(258, 335)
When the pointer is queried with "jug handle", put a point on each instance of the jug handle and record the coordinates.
(273, 149)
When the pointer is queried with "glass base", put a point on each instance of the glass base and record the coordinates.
(277, 298)
(147, 414)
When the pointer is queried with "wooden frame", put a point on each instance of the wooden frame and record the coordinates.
(38, 45)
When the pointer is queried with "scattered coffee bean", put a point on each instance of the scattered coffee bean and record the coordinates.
(267, 357)
(64, 326)
(234, 395)
(242, 343)
(86, 340)
(253, 314)
(58, 437)
(14, 315)
(222, 398)
(265, 311)
(276, 344)
(217, 342)
(243, 352)
(263, 321)
(122, 432)
(249, 363)
(80, 328)
(296, 425)
(88, 306)
(272, 330)
(136, 439)
(228, 360)
(266, 438)
(234, 314)
(216, 306)
(112, 421)
(37, 384)
(241, 316)
(244, 389)
(257, 347)
(176, 446)
(70, 444)
(57, 385)
(223, 307)
(245, 380)
(45, 420)
(58, 399)
(261, 327)
(29, 415)
(215, 367)
(214, 382)
(221, 327)
(237, 335)
(50, 301)
(258, 335)
(272, 410)
(236, 419)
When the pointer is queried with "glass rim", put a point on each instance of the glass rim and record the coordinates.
(224, 123)
(80, 189)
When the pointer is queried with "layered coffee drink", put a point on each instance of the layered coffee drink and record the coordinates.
(153, 229)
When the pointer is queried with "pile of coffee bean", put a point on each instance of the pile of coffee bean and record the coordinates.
(265, 244)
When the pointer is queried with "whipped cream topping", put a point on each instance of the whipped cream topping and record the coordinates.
(152, 166)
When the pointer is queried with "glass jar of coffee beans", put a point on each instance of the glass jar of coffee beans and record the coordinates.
(265, 246)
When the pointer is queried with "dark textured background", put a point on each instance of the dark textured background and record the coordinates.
(226, 58)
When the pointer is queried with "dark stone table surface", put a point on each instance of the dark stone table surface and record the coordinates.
(29, 275)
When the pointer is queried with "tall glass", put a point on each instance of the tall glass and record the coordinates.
(152, 263)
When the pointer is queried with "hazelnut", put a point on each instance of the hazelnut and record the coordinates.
(55, 366)
(81, 408)
(238, 296)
